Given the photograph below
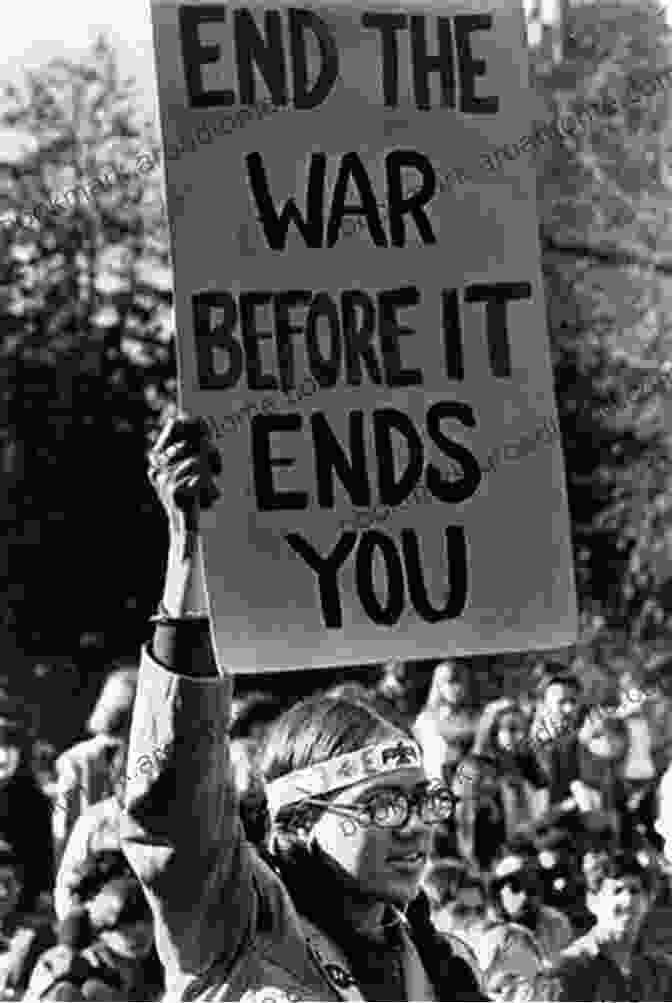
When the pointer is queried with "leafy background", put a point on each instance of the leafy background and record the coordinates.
(88, 366)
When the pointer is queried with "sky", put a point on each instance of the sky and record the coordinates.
(39, 30)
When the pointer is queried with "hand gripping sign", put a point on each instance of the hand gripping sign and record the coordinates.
(321, 243)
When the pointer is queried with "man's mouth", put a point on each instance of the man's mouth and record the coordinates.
(412, 860)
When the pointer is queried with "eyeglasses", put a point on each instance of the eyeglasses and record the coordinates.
(392, 809)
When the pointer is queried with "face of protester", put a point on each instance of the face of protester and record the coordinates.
(511, 732)
(10, 757)
(619, 906)
(450, 684)
(561, 703)
(386, 864)
(10, 891)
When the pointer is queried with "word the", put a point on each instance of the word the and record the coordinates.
(661, 380)
(273, 51)
(306, 388)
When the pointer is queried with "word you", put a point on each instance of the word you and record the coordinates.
(286, 46)
(109, 179)
(365, 330)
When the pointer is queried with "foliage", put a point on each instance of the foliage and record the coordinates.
(86, 361)
(605, 205)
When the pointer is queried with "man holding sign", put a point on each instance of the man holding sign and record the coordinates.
(332, 912)
(422, 330)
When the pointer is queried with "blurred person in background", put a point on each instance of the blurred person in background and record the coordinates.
(96, 830)
(477, 827)
(106, 945)
(458, 900)
(24, 936)
(88, 771)
(516, 896)
(446, 726)
(511, 963)
(24, 808)
(553, 734)
(600, 791)
(503, 737)
(608, 962)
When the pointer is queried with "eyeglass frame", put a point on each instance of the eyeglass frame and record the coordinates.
(413, 801)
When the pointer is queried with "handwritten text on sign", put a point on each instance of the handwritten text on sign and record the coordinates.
(421, 332)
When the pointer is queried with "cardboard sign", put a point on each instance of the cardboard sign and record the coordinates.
(366, 339)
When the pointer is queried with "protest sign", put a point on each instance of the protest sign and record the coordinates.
(358, 334)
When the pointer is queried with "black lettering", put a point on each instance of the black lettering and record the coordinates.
(330, 457)
(423, 64)
(358, 337)
(412, 204)
(391, 491)
(448, 490)
(268, 498)
(209, 338)
(388, 24)
(299, 21)
(256, 379)
(326, 569)
(390, 331)
(267, 53)
(469, 67)
(284, 329)
(394, 606)
(326, 370)
(496, 295)
(352, 168)
(451, 326)
(276, 227)
(456, 554)
(195, 55)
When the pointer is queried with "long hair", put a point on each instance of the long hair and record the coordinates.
(314, 730)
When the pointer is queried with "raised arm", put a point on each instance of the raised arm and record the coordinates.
(181, 831)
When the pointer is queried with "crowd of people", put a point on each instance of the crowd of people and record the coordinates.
(205, 845)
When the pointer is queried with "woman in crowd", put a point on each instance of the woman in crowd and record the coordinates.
(333, 910)
(503, 737)
(87, 772)
(446, 727)
(97, 830)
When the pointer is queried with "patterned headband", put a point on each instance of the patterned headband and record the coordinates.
(341, 771)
